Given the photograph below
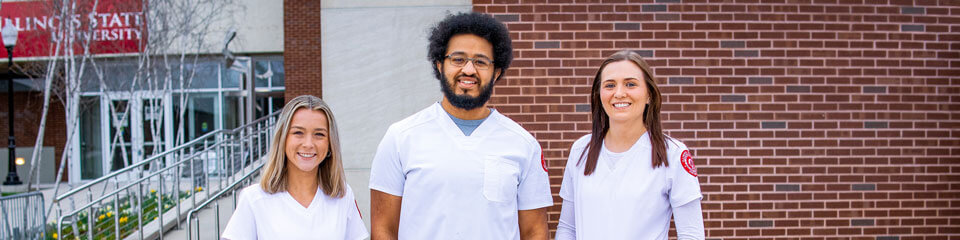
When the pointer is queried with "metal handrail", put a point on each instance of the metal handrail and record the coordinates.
(135, 165)
(158, 156)
(106, 196)
(214, 198)
(22, 216)
(227, 152)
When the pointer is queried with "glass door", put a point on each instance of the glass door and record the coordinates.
(136, 129)
(91, 148)
(119, 135)
(152, 123)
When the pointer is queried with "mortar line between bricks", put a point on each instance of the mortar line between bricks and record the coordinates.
(821, 49)
(731, 57)
(786, 21)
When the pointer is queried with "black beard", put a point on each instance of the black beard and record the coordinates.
(465, 102)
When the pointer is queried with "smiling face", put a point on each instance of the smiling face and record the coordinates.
(307, 140)
(467, 87)
(623, 92)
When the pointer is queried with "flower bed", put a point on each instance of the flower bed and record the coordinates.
(106, 217)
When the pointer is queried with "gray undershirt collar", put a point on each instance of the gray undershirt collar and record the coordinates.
(466, 126)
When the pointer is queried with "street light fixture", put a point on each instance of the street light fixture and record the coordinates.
(231, 34)
(10, 33)
(233, 62)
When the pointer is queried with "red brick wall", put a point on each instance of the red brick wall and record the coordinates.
(301, 48)
(817, 119)
(27, 114)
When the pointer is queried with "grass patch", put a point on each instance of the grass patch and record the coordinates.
(9, 194)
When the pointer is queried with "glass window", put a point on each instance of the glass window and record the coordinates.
(117, 77)
(198, 118)
(89, 82)
(121, 142)
(206, 74)
(267, 104)
(91, 154)
(200, 75)
(231, 78)
(277, 103)
(278, 73)
(262, 73)
(232, 111)
(152, 127)
(263, 104)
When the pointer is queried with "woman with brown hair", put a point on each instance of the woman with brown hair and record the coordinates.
(626, 178)
(303, 193)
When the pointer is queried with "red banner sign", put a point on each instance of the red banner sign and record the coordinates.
(116, 26)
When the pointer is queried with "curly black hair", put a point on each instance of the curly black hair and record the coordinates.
(482, 25)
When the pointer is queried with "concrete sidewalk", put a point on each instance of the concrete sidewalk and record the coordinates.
(208, 227)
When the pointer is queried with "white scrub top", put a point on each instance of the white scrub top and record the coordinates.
(460, 187)
(625, 197)
(260, 215)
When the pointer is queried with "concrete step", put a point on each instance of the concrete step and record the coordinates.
(176, 227)
(207, 219)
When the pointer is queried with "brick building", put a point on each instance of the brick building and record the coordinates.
(807, 119)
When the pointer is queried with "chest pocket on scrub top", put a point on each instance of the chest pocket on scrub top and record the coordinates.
(501, 178)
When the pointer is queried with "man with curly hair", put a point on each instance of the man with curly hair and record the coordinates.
(458, 169)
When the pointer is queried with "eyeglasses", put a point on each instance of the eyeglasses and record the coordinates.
(459, 60)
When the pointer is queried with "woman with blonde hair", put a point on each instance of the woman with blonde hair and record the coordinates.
(302, 193)
(627, 178)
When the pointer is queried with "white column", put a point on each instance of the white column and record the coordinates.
(377, 49)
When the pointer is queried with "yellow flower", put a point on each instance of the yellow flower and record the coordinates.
(100, 217)
(109, 214)
(54, 235)
(153, 191)
(123, 219)
(199, 189)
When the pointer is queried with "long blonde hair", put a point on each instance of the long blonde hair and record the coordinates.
(330, 174)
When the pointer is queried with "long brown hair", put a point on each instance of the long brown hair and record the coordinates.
(601, 123)
(331, 177)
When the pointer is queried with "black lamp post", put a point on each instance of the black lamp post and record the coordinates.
(9, 33)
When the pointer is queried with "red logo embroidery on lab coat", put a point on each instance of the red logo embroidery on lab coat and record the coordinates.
(543, 162)
(358, 208)
(687, 161)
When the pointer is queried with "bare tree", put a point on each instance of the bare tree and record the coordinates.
(174, 34)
